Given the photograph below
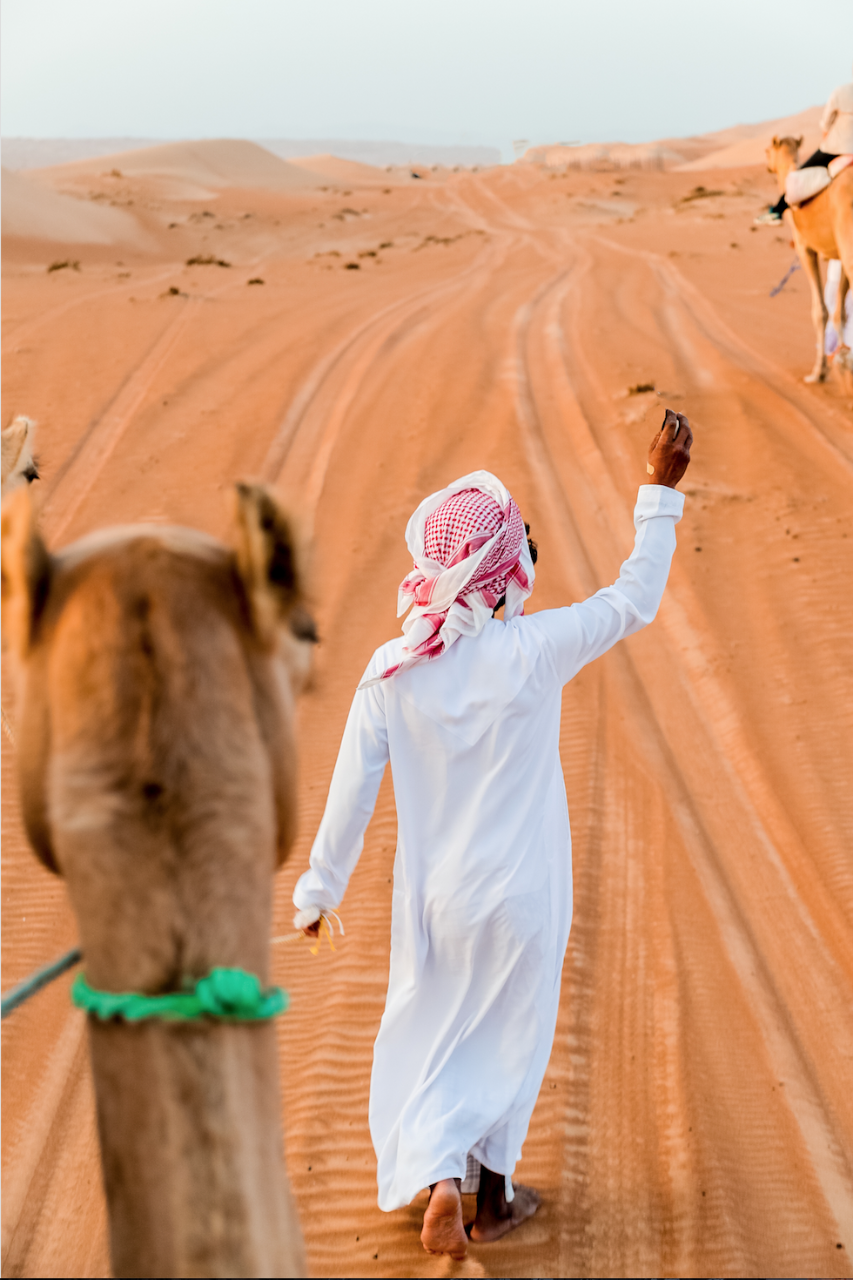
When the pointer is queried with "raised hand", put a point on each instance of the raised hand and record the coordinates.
(669, 452)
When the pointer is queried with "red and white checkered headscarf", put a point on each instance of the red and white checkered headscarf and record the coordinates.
(470, 548)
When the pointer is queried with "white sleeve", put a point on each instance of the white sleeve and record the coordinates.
(352, 795)
(579, 634)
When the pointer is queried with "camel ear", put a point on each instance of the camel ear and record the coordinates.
(265, 549)
(798, 142)
(775, 140)
(25, 572)
(14, 452)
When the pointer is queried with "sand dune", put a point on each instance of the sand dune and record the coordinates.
(724, 149)
(38, 153)
(44, 153)
(749, 142)
(223, 162)
(697, 1116)
(334, 169)
(31, 212)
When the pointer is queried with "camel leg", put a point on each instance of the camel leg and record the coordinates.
(844, 241)
(820, 315)
(838, 317)
(843, 361)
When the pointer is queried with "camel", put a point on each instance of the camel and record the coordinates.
(822, 226)
(156, 672)
(19, 465)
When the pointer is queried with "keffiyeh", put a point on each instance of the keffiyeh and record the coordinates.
(469, 547)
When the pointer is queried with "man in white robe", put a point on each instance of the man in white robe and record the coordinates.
(467, 709)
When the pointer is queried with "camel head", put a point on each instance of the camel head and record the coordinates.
(156, 671)
(156, 754)
(782, 154)
(19, 466)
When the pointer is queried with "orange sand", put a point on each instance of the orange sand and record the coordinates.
(697, 1115)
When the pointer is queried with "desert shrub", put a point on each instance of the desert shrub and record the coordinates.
(207, 260)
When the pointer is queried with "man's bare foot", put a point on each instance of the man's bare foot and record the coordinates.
(495, 1214)
(443, 1230)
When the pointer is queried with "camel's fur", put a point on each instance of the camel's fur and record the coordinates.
(823, 227)
(157, 762)
(19, 466)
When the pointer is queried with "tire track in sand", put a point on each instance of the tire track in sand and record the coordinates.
(326, 1114)
(38, 1140)
(664, 1138)
(98, 443)
(28, 328)
(330, 389)
(814, 1115)
(793, 399)
(352, 362)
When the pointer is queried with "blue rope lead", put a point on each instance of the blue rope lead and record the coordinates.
(795, 266)
(39, 979)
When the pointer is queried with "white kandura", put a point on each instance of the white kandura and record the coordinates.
(482, 900)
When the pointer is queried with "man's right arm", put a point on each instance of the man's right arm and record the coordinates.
(352, 795)
(584, 631)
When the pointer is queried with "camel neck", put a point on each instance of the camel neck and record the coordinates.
(785, 164)
(189, 1120)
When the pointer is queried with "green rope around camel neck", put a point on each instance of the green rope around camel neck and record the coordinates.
(228, 995)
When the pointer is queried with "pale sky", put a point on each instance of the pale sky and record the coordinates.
(415, 70)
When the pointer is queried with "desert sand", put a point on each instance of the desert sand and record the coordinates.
(697, 1114)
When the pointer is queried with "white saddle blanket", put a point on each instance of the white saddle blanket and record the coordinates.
(840, 162)
(804, 184)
